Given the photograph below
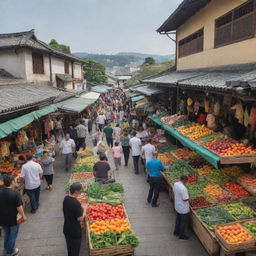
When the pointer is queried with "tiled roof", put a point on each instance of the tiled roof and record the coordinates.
(28, 39)
(17, 96)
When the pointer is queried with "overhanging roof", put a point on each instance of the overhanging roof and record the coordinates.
(90, 95)
(186, 9)
(65, 77)
(100, 88)
(148, 91)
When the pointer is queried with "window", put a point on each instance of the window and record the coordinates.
(66, 67)
(235, 26)
(38, 63)
(192, 44)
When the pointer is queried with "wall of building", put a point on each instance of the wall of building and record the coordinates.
(78, 71)
(237, 53)
(13, 62)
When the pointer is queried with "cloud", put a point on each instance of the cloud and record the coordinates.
(96, 26)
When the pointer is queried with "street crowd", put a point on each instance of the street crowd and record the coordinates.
(116, 134)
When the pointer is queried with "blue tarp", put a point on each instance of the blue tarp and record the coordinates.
(137, 98)
(206, 154)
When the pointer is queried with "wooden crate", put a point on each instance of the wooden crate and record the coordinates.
(168, 187)
(121, 250)
(206, 237)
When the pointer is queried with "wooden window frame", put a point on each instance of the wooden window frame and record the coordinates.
(234, 20)
(191, 39)
(66, 67)
(38, 68)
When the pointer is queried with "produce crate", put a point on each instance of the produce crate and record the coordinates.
(169, 187)
(121, 250)
(232, 247)
(248, 188)
(207, 237)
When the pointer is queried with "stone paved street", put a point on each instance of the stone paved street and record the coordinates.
(42, 234)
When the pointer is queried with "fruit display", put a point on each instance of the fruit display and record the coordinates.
(237, 190)
(82, 176)
(225, 198)
(251, 202)
(197, 163)
(239, 211)
(105, 212)
(234, 233)
(249, 182)
(197, 188)
(213, 190)
(213, 216)
(204, 170)
(199, 202)
(109, 239)
(102, 226)
(170, 120)
(233, 171)
(184, 153)
(83, 200)
(91, 160)
(195, 131)
(251, 227)
(220, 146)
(191, 178)
(166, 158)
(218, 176)
(85, 152)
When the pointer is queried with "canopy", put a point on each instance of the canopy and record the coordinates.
(137, 98)
(16, 124)
(90, 95)
(75, 104)
(149, 91)
(100, 88)
(206, 154)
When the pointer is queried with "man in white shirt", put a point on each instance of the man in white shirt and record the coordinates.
(101, 121)
(135, 145)
(147, 152)
(81, 131)
(32, 174)
(181, 205)
(68, 148)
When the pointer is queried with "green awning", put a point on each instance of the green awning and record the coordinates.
(137, 98)
(206, 154)
(75, 104)
(16, 124)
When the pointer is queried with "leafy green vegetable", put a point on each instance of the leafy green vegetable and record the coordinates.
(105, 240)
(82, 168)
(115, 187)
(94, 190)
(127, 238)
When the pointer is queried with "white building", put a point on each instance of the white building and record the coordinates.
(24, 56)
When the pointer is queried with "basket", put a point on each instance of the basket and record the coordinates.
(233, 246)
(120, 250)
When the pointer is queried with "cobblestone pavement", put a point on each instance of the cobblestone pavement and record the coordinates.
(42, 234)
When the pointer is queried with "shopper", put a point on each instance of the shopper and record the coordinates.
(108, 131)
(68, 148)
(73, 215)
(148, 150)
(135, 144)
(181, 205)
(155, 179)
(32, 174)
(117, 133)
(101, 169)
(81, 135)
(96, 137)
(47, 166)
(90, 123)
(117, 152)
(126, 147)
(10, 207)
(100, 120)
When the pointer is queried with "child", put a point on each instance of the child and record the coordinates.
(117, 151)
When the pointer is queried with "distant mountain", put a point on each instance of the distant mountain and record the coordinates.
(122, 58)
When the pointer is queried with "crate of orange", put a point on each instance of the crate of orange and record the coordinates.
(234, 236)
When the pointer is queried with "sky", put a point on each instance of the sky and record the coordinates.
(94, 26)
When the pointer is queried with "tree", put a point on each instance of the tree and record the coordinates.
(150, 61)
(62, 47)
(94, 72)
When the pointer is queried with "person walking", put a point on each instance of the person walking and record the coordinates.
(117, 133)
(81, 135)
(96, 137)
(181, 205)
(135, 144)
(47, 166)
(108, 131)
(117, 152)
(10, 208)
(155, 179)
(90, 123)
(126, 147)
(100, 120)
(73, 215)
(147, 152)
(32, 174)
(68, 148)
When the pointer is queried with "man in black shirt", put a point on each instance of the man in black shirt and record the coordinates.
(101, 169)
(10, 207)
(73, 215)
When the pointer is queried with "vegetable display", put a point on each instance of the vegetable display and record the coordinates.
(232, 171)
(237, 190)
(239, 211)
(197, 188)
(218, 177)
(105, 212)
(251, 202)
(213, 190)
(234, 233)
(199, 202)
(82, 175)
(82, 168)
(184, 153)
(197, 162)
